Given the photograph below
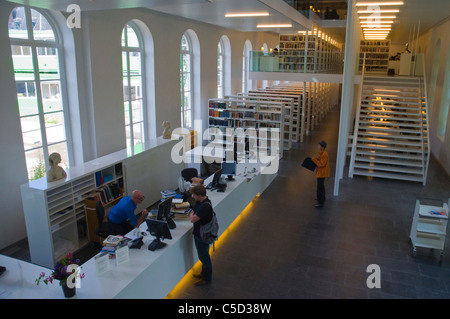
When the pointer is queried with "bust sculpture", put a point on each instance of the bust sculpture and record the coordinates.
(166, 134)
(55, 172)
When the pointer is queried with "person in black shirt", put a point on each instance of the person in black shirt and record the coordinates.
(201, 214)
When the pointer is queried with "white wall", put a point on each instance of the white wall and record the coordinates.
(95, 90)
(440, 147)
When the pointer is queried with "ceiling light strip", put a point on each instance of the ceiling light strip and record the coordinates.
(380, 11)
(386, 3)
(248, 14)
(274, 25)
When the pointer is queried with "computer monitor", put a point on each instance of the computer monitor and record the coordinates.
(229, 168)
(216, 178)
(164, 209)
(160, 230)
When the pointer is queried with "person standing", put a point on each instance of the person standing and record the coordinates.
(322, 171)
(201, 214)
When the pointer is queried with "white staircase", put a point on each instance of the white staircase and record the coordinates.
(390, 137)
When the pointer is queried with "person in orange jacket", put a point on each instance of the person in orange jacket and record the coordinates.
(322, 171)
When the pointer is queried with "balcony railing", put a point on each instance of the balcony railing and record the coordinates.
(297, 62)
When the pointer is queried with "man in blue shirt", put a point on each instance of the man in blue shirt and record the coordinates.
(121, 218)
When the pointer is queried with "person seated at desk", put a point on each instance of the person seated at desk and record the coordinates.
(121, 218)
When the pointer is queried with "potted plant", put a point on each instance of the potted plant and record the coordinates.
(67, 272)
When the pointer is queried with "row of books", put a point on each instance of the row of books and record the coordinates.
(168, 193)
(106, 193)
(217, 105)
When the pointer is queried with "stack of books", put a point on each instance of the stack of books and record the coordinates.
(168, 193)
(110, 244)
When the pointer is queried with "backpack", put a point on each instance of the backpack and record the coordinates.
(210, 231)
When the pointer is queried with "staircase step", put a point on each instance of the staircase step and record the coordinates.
(388, 175)
(400, 119)
(389, 112)
(389, 92)
(389, 161)
(390, 102)
(389, 168)
(389, 129)
(389, 155)
(390, 135)
(386, 123)
(388, 141)
(377, 147)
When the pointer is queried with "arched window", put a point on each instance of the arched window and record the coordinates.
(186, 81)
(133, 87)
(220, 69)
(246, 83)
(41, 93)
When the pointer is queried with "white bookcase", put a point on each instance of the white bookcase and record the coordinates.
(263, 121)
(55, 212)
(429, 227)
(377, 55)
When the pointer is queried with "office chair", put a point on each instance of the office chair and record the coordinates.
(188, 173)
(102, 229)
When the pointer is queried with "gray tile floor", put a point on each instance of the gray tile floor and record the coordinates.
(286, 248)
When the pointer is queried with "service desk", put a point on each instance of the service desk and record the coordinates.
(150, 274)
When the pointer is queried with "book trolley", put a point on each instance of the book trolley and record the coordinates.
(429, 226)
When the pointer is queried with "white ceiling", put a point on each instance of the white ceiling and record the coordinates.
(428, 12)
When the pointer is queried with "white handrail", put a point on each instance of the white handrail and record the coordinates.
(355, 129)
(426, 121)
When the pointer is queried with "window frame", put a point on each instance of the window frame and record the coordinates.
(188, 52)
(56, 45)
(141, 50)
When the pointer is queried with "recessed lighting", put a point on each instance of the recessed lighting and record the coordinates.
(247, 14)
(378, 17)
(380, 11)
(377, 22)
(274, 25)
(387, 3)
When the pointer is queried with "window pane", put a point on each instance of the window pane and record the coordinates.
(136, 88)
(137, 111)
(184, 43)
(35, 163)
(17, 25)
(138, 130)
(135, 63)
(31, 132)
(26, 98)
(126, 108)
(124, 63)
(186, 63)
(51, 96)
(133, 41)
(186, 82)
(48, 63)
(126, 90)
(42, 29)
(22, 63)
(54, 127)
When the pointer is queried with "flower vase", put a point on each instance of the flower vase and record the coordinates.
(68, 292)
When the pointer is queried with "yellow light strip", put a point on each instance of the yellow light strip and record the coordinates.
(274, 25)
(248, 14)
(390, 3)
(377, 29)
(187, 279)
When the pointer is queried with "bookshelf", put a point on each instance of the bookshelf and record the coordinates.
(307, 52)
(235, 123)
(377, 55)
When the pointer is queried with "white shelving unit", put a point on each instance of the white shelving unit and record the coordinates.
(263, 121)
(55, 212)
(429, 227)
(377, 55)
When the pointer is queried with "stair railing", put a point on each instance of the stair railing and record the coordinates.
(357, 116)
(424, 104)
